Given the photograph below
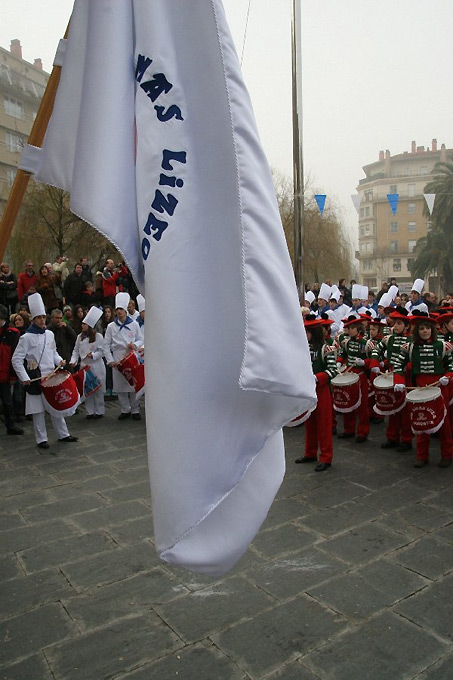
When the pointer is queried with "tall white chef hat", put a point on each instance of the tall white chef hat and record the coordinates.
(36, 305)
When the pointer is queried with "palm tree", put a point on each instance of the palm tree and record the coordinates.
(434, 252)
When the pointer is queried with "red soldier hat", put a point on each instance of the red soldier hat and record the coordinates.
(400, 313)
(312, 320)
(353, 319)
(422, 317)
(444, 316)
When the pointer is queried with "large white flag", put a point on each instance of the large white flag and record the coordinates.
(154, 136)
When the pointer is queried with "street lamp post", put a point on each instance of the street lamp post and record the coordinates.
(298, 167)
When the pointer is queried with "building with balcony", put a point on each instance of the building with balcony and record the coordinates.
(22, 85)
(387, 241)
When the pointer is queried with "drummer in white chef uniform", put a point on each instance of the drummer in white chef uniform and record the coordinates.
(141, 318)
(37, 348)
(121, 337)
(89, 350)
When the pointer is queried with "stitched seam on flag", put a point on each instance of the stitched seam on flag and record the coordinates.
(241, 221)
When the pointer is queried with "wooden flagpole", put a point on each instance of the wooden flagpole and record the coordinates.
(35, 138)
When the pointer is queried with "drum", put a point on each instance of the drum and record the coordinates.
(60, 394)
(427, 410)
(387, 400)
(134, 372)
(298, 420)
(79, 378)
(92, 383)
(346, 394)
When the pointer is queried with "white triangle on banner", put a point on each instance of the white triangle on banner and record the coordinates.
(429, 198)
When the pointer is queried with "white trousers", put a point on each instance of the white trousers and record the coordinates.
(39, 424)
(94, 404)
(128, 402)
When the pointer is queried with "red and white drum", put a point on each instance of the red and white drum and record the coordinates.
(60, 394)
(298, 420)
(388, 402)
(346, 394)
(134, 372)
(428, 410)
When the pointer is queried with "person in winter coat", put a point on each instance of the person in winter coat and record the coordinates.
(9, 337)
(8, 288)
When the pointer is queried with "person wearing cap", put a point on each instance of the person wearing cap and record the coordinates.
(431, 363)
(353, 355)
(38, 349)
(9, 337)
(89, 350)
(318, 427)
(416, 300)
(388, 351)
(309, 299)
(375, 334)
(323, 298)
(141, 318)
(121, 337)
(131, 310)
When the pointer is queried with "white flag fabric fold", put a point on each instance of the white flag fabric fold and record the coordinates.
(154, 136)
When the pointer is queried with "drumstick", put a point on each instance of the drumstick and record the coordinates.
(434, 384)
(44, 377)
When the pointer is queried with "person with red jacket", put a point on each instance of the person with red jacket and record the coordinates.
(26, 279)
(109, 281)
(9, 337)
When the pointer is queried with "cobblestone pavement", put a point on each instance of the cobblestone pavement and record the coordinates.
(350, 576)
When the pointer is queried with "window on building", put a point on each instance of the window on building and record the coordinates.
(362, 231)
(394, 226)
(362, 212)
(393, 189)
(411, 226)
(410, 263)
(5, 74)
(367, 265)
(367, 212)
(397, 264)
(393, 246)
(411, 190)
(411, 208)
(411, 245)
(368, 196)
(14, 108)
(424, 170)
(10, 175)
(14, 142)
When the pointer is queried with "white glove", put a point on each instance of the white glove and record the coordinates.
(359, 362)
(399, 388)
(375, 369)
(444, 380)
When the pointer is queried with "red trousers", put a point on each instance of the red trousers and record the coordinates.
(318, 428)
(445, 432)
(363, 428)
(399, 427)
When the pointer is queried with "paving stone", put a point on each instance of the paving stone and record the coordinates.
(333, 494)
(26, 484)
(428, 556)
(382, 479)
(112, 454)
(293, 671)
(387, 647)
(284, 510)
(28, 633)
(11, 521)
(401, 494)
(445, 534)
(28, 592)
(292, 485)
(280, 635)
(134, 459)
(133, 531)
(66, 550)
(64, 508)
(132, 476)
(9, 475)
(24, 500)
(211, 609)
(111, 515)
(285, 539)
(139, 491)
(295, 573)
(363, 592)
(197, 662)
(86, 472)
(432, 608)
(83, 487)
(364, 543)
(335, 520)
(112, 566)
(442, 670)
(9, 568)
(36, 535)
(66, 459)
(421, 517)
(443, 498)
(33, 668)
(127, 597)
(115, 649)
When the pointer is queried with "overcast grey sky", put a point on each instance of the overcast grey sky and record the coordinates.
(376, 75)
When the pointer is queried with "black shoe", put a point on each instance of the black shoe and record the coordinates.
(136, 416)
(69, 438)
(420, 463)
(320, 467)
(360, 440)
(15, 430)
(97, 416)
(43, 445)
(444, 463)
(404, 446)
(345, 435)
(90, 416)
(124, 416)
(389, 444)
(305, 459)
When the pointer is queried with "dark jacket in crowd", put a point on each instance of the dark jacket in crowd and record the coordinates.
(9, 337)
(73, 287)
(65, 338)
(8, 290)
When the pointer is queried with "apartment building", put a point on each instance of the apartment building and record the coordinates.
(22, 85)
(387, 241)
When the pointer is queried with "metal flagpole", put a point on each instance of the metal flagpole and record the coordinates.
(298, 166)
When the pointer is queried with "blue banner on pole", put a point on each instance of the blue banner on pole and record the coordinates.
(393, 202)
(321, 201)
